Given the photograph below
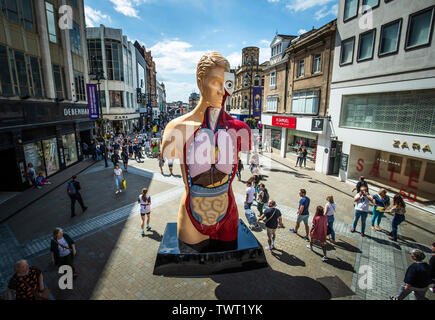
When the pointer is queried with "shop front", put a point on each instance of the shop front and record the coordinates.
(300, 139)
(123, 123)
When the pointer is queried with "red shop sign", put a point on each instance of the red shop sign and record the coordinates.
(286, 122)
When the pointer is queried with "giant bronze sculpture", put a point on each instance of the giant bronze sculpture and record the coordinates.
(207, 142)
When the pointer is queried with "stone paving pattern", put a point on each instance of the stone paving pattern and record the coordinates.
(116, 262)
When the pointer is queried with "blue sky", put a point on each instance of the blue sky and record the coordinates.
(178, 32)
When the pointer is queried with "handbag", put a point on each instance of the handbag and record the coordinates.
(38, 295)
(124, 184)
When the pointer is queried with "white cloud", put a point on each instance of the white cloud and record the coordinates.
(95, 17)
(272, 0)
(235, 59)
(265, 43)
(324, 12)
(302, 5)
(126, 7)
(301, 31)
(179, 90)
(264, 54)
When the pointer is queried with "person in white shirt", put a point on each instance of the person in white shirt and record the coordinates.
(250, 195)
(170, 165)
(362, 200)
(144, 201)
(118, 177)
(330, 211)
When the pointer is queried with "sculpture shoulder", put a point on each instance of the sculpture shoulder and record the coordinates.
(236, 124)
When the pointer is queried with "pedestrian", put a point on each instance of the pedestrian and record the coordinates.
(330, 213)
(382, 202)
(432, 266)
(256, 178)
(170, 165)
(99, 153)
(115, 158)
(399, 211)
(41, 180)
(118, 178)
(85, 149)
(250, 195)
(304, 157)
(239, 169)
(93, 150)
(362, 200)
(31, 175)
(273, 221)
(73, 190)
(361, 183)
(319, 231)
(63, 250)
(27, 283)
(299, 157)
(103, 149)
(262, 198)
(144, 201)
(130, 150)
(303, 213)
(417, 278)
(124, 156)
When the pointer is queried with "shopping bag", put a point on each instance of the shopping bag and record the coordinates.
(124, 185)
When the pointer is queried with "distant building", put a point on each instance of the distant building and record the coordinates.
(193, 101)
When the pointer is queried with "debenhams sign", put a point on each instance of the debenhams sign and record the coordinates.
(74, 111)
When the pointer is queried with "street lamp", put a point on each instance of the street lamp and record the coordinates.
(248, 78)
(98, 75)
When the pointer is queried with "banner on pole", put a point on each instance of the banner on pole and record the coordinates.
(94, 111)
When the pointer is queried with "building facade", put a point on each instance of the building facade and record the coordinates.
(44, 116)
(193, 100)
(248, 90)
(110, 51)
(382, 97)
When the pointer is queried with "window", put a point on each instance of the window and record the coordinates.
(5, 76)
(74, 2)
(26, 17)
(262, 81)
(317, 59)
(51, 22)
(430, 169)
(306, 102)
(116, 100)
(95, 55)
(128, 99)
(401, 112)
(366, 45)
(36, 76)
(10, 9)
(346, 56)
(277, 49)
(350, 9)
(413, 166)
(272, 104)
(245, 102)
(273, 80)
(58, 86)
(20, 64)
(395, 163)
(301, 68)
(13, 71)
(420, 27)
(74, 35)
(390, 38)
(369, 3)
(79, 83)
(115, 65)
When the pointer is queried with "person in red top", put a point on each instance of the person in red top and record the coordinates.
(319, 230)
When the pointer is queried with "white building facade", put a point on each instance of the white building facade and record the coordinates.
(382, 102)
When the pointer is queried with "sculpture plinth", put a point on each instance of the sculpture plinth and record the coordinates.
(175, 258)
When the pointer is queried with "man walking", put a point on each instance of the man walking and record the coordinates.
(103, 149)
(250, 195)
(263, 198)
(361, 183)
(362, 200)
(303, 213)
(273, 221)
(73, 189)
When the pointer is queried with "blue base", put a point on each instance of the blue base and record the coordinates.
(175, 258)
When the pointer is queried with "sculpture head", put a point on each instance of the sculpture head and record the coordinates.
(210, 77)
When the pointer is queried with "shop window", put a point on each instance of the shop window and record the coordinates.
(401, 112)
(49, 11)
(419, 31)
(50, 156)
(74, 35)
(429, 175)
(5, 75)
(395, 163)
(366, 45)
(69, 148)
(414, 166)
(390, 36)
(346, 52)
(350, 9)
(276, 138)
(33, 154)
(116, 100)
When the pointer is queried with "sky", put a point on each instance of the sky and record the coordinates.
(179, 32)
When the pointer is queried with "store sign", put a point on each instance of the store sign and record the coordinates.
(415, 146)
(72, 112)
(92, 92)
(285, 122)
(317, 124)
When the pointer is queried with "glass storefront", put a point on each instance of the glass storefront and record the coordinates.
(300, 139)
(50, 155)
(69, 148)
(276, 137)
(33, 154)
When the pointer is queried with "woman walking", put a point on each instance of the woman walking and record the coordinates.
(330, 211)
(319, 231)
(382, 202)
(144, 201)
(299, 157)
(124, 157)
(63, 250)
(304, 157)
(398, 210)
(118, 177)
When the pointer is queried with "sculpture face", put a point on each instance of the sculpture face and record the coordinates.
(212, 89)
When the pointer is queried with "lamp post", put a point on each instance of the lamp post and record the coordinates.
(248, 78)
(98, 75)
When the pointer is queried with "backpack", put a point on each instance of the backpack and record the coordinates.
(265, 196)
(71, 189)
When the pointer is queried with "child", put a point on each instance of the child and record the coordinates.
(41, 180)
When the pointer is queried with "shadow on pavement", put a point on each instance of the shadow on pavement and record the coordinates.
(340, 264)
(347, 246)
(384, 242)
(154, 235)
(289, 259)
(268, 284)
